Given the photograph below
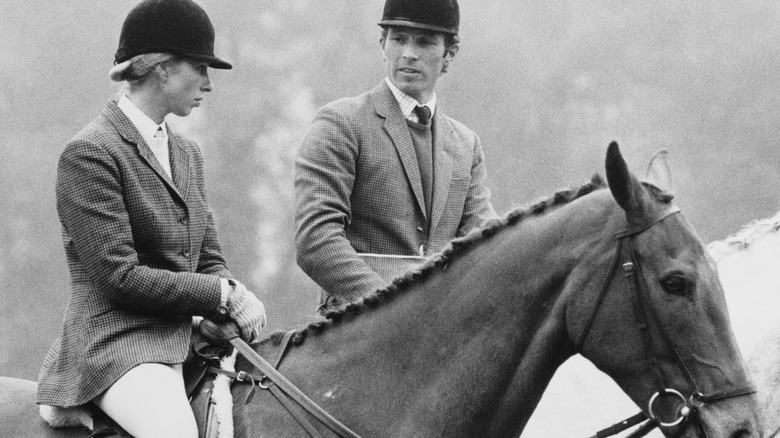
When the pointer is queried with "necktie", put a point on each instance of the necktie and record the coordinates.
(423, 148)
(423, 114)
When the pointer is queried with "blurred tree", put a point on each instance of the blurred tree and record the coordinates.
(546, 85)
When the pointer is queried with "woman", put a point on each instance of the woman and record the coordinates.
(139, 237)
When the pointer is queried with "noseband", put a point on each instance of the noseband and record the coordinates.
(644, 312)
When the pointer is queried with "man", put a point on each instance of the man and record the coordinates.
(385, 179)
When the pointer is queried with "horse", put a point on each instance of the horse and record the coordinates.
(749, 269)
(465, 345)
(747, 264)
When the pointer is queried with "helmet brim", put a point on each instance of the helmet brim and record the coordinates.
(416, 25)
(213, 61)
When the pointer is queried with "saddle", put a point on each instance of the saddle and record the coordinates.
(198, 383)
(201, 368)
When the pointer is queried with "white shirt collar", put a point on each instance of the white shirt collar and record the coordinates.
(407, 103)
(147, 128)
(141, 121)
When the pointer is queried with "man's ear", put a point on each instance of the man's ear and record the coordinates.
(449, 55)
(382, 40)
(451, 51)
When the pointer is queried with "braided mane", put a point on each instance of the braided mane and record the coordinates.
(457, 248)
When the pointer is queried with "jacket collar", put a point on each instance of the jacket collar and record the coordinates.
(179, 156)
(406, 102)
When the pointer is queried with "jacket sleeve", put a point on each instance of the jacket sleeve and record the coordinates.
(97, 225)
(477, 208)
(324, 177)
(211, 260)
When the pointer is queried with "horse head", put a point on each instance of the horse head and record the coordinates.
(658, 325)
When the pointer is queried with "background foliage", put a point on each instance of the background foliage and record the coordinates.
(547, 85)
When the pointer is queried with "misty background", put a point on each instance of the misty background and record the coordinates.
(546, 84)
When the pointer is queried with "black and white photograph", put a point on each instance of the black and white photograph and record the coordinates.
(390, 218)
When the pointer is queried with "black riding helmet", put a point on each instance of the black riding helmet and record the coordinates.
(436, 15)
(180, 27)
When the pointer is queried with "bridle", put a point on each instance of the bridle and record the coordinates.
(644, 312)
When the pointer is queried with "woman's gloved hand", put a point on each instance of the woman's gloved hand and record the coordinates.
(248, 312)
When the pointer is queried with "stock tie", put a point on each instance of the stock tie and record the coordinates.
(160, 149)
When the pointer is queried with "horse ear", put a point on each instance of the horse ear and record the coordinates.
(625, 188)
(659, 173)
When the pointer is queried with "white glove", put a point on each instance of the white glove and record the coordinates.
(247, 311)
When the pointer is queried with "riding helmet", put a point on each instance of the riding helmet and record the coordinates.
(180, 27)
(437, 15)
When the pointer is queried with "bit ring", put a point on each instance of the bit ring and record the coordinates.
(685, 411)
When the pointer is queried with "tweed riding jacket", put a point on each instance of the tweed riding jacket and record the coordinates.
(143, 256)
(358, 191)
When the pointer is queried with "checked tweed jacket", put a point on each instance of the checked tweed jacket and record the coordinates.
(143, 257)
(358, 192)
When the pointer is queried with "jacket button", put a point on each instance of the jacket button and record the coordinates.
(183, 220)
(185, 254)
(420, 229)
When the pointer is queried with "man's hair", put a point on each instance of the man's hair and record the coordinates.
(449, 39)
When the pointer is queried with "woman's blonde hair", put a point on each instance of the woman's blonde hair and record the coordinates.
(138, 66)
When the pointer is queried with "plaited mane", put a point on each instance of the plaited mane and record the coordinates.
(455, 249)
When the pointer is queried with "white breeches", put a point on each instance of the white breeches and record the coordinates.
(149, 401)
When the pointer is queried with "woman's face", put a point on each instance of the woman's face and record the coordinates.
(186, 84)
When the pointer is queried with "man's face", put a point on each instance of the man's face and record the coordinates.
(414, 60)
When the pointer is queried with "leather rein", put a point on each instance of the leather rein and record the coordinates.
(298, 404)
(644, 312)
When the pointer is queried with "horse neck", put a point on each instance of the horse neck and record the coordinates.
(485, 334)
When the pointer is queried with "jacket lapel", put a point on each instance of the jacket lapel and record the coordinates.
(180, 164)
(129, 133)
(396, 127)
(443, 140)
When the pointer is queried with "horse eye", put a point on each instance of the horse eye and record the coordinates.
(675, 285)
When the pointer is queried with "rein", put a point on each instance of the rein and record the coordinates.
(644, 312)
(292, 398)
